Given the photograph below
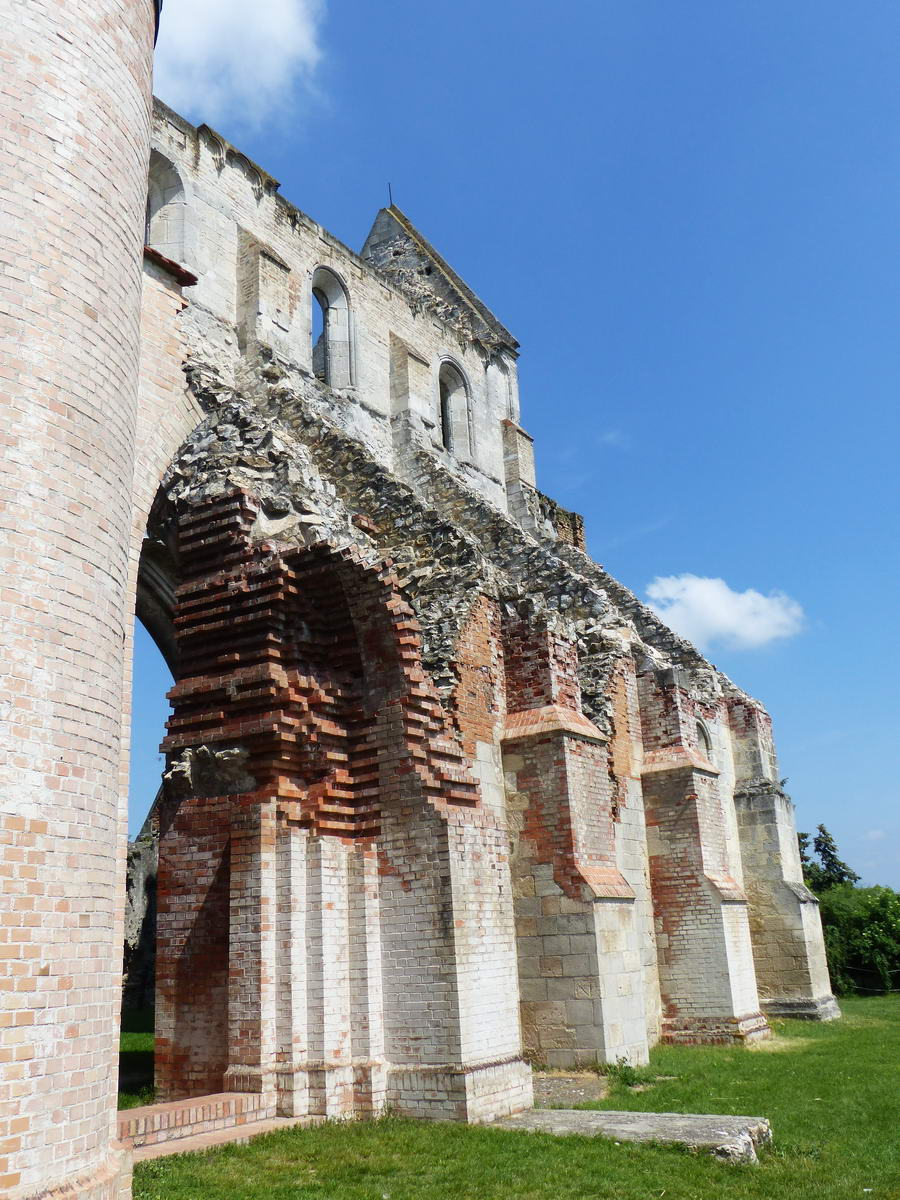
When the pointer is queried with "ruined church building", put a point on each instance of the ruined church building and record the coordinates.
(442, 798)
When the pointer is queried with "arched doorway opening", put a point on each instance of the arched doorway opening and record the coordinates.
(153, 665)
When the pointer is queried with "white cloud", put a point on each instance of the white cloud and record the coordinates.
(228, 59)
(874, 835)
(708, 611)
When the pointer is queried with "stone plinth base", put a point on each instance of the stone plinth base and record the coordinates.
(111, 1181)
(823, 1008)
(450, 1093)
(328, 1090)
(714, 1031)
(332, 1090)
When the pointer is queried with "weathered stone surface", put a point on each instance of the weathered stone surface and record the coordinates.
(74, 145)
(731, 1139)
(556, 1089)
(822, 1009)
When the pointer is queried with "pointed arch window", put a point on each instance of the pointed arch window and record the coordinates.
(166, 209)
(704, 741)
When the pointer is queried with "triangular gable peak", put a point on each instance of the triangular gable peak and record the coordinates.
(397, 249)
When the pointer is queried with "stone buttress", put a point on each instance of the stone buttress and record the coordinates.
(785, 927)
(579, 938)
(706, 970)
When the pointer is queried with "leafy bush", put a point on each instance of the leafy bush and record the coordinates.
(862, 937)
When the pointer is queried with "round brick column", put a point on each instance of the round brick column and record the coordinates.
(75, 124)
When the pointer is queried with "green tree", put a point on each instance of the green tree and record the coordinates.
(861, 924)
(812, 871)
(830, 870)
(834, 870)
(862, 937)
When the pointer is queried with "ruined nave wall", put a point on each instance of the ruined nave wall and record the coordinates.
(601, 751)
(256, 256)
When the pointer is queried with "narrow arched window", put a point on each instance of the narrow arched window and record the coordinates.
(166, 209)
(500, 386)
(331, 349)
(454, 402)
(704, 741)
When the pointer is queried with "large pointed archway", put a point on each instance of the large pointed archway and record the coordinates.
(332, 893)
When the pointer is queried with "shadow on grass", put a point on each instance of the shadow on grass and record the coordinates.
(136, 1059)
(138, 1020)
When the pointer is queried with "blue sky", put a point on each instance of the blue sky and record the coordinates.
(689, 215)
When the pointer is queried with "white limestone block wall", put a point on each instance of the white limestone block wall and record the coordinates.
(233, 212)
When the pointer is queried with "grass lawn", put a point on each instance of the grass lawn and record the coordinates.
(136, 1060)
(830, 1091)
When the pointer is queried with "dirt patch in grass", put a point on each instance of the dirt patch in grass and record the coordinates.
(778, 1044)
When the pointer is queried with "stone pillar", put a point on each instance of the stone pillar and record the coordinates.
(518, 470)
(201, 792)
(330, 1035)
(291, 968)
(580, 967)
(252, 939)
(75, 120)
(366, 988)
(788, 946)
(329, 1065)
(626, 760)
(707, 978)
(449, 976)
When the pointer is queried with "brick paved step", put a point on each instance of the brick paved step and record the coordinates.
(180, 1119)
(237, 1135)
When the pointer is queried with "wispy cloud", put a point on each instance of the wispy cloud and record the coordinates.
(873, 835)
(615, 439)
(225, 59)
(708, 612)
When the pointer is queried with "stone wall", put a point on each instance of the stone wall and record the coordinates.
(256, 256)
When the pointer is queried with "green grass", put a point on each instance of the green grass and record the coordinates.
(830, 1092)
(136, 1060)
